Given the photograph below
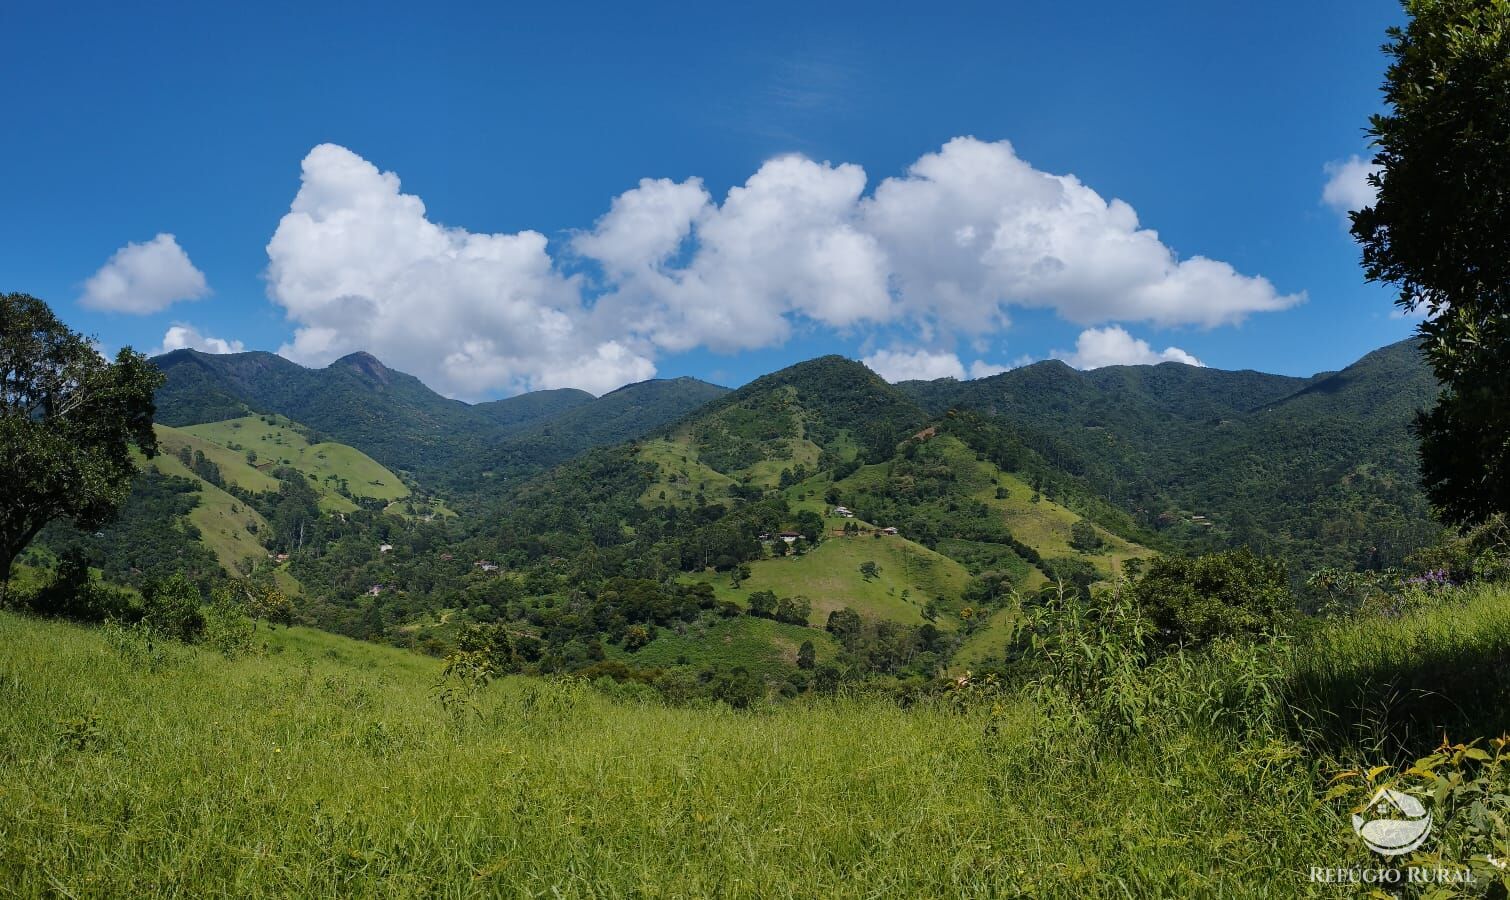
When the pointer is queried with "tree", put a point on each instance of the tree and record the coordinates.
(271, 604)
(869, 570)
(1085, 538)
(171, 607)
(763, 604)
(75, 593)
(845, 625)
(793, 610)
(637, 636)
(738, 574)
(810, 525)
(68, 421)
(1232, 594)
(807, 657)
(1436, 230)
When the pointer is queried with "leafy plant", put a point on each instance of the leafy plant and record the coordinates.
(1195, 601)
(1468, 788)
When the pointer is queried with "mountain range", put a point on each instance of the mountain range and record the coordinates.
(678, 526)
(1319, 469)
(403, 424)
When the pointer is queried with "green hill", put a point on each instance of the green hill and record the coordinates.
(800, 439)
(1037, 477)
(630, 412)
(398, 421)
(1320, 470)
(337, 472)
(522, 409)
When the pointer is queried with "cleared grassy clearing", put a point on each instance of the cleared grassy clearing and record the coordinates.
(829, 576)
(329, 464)
(767, 649)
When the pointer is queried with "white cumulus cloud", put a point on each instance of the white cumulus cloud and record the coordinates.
(145, 278)
(899, 364)
(944, 251)
(785, 242)
(184, 336)
(982, 369)
(914, 365)
(1113, 346)
(358, 265)
(973, 229)
(1347, 188)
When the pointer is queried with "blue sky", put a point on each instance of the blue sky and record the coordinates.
(1213, 122)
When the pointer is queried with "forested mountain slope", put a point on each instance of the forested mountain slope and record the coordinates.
(1320, 469)
(397, 420)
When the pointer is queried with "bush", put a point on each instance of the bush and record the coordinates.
(1085, 538)
(227, 627)
(1480, 553)
(171, 608)
(1192, 602)
(74, 593)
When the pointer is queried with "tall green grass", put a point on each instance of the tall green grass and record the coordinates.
(323, 767)
(1394, 686)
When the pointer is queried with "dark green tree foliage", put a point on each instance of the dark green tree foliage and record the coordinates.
(1195, 601)
(151, 536)
(793, 610)
(763, 604)
(844, 624)
(810, 525)
(807, 656)
(74, 593)
(171, 606)
(1085, 538)
(295, 512)
(68, 421)
(1440, 231)
(990, 590)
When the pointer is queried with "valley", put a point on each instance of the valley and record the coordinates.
(1037, 481)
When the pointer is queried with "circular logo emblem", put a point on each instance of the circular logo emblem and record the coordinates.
(1393, 823)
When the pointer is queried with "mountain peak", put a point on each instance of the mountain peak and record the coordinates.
(365, 364)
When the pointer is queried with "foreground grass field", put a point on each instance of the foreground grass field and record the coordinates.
(323, 767)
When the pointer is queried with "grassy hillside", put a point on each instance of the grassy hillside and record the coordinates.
(765, 648)
(331, 467)
(942, 488)
(325, 768)
(829, 576)
(680, 474)
(225, 524)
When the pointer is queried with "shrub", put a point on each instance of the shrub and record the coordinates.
(74, 593)
(1469, 790)
(1192, 602)
(227, 627)
(1480, 553)
(171, 608)
(1085, 538)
